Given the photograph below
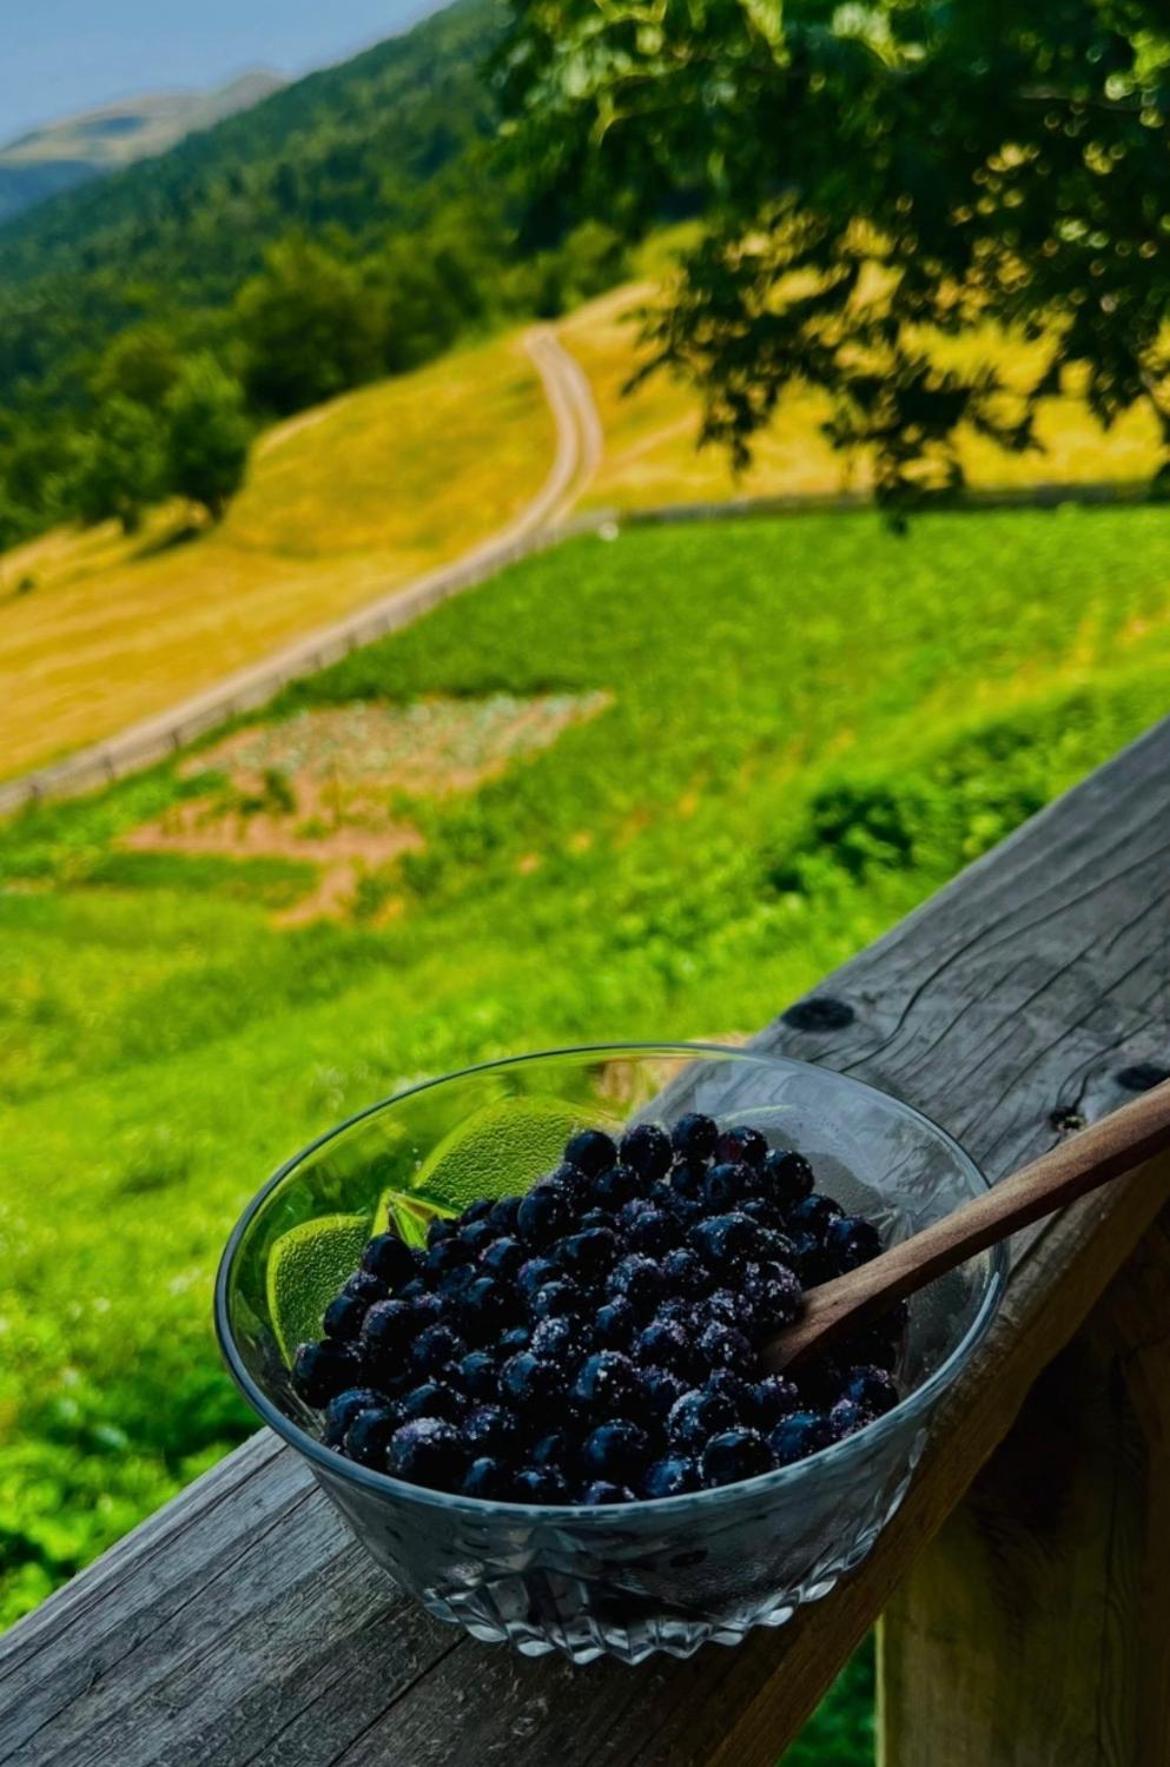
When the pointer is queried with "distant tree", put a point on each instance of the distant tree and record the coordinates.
(208, 436)
(142, 364)
(310, 326)
(121, 465)
(874, 178)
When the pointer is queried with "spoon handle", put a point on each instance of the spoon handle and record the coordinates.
(1104, 1151)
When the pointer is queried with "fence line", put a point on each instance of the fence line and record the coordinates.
(165, 734)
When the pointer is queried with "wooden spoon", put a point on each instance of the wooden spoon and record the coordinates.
(1095, 1156)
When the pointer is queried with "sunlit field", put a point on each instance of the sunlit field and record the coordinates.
(650, 434)
(342, 503)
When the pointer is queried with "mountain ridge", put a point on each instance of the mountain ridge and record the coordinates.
(53, 157)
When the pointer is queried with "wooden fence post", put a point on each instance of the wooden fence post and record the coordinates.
(1035, 1630)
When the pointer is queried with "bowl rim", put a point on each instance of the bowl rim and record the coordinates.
(385, 1485)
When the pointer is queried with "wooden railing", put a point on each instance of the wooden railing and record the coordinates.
(1025, 1582)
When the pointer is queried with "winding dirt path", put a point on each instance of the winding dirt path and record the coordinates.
(578, 451)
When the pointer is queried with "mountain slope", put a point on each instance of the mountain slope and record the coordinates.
(58, 155)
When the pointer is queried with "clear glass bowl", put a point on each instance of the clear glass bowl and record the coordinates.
(638, 1577)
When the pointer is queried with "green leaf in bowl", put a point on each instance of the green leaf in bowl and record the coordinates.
(306, 1267)
(501, 1150)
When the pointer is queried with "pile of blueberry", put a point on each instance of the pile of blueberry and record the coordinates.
(596, 1340)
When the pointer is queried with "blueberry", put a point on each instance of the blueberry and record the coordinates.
(847, 1417)
(769, 1400)
(517, 1337)
(650, 1230)
(729, 1386)
(414, 1290)
(726, 1185)
(664, 1344)
(390, 1259)
(364, 1286)
(615, 1186)
(343, 1317)
(556, 1338)
(762, 1212)
(603, 1491)
(532, 1384)
(477, 1375)
(557, 1300)
(722, 1346)
(503, 1257)
(479, 1210)
(724, 1241)
(343, 1408)
(595, 1217)
(427, 1451)
(428, 1309)
(774, 1293)
(618, 1450)
(789, 1176)
(735, 1454)
(608, 1384)
(614, 1326)
(571, 1181)
(556, 1449)
(646, 1150)
(588, 1255)
(479, 1236)
(872, 1388)
(798, 1435)
(685, 1274)
(671, 1477)
(321, 1371)
(486, 1478)
(694, 1135)
(590, 1151)
(663, 1391)
(433, 1398)
(368, 1436)
(446, 1259)
(534, 1274)
(539, 1484)
(490, 1429)
(439, 1228)
(741, 1143)
(724, 1305)
(814, 1214)
(687, 1180)
(502, 1215)
(696, 1417)
(485, 1308)
(851, 1241)
(544, 1215)
(434, 1348)
(676, 1311)
(638, 1280)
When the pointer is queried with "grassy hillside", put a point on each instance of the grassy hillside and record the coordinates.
(342, 503)
(558, 822)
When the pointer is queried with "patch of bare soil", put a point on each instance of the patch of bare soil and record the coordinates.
(328, 786)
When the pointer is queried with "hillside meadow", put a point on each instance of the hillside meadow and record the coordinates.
(651, 787)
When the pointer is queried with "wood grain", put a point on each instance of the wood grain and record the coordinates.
(1098, 1155)
(241, 1627)
(1035, 1629)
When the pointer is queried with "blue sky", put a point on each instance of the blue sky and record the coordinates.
(58, 56)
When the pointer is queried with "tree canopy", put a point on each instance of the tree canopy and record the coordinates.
(874, 179)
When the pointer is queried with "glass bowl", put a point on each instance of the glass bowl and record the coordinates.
(639, 1577)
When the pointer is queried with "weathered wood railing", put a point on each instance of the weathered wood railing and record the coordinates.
(1027, 1604)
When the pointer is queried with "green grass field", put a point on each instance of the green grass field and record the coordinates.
(806, 726)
